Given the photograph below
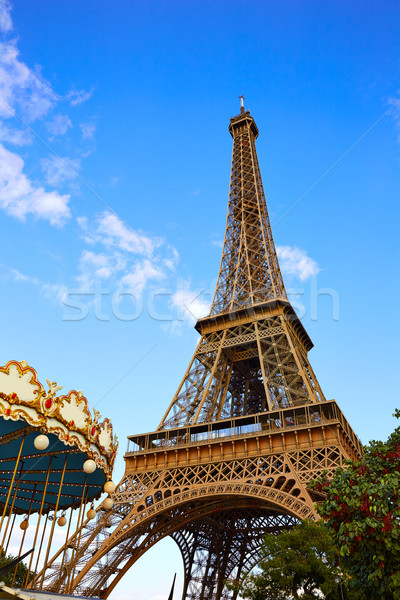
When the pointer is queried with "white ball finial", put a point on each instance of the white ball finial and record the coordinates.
(109, 487)
(41, 442)
(108, 503)
(91, 513)
(89, 466)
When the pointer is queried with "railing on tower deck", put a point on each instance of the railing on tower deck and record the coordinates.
(306, 416)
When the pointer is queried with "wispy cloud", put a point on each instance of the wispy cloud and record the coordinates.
(125, 257)
(109, 230)
(98, 266)
(20, 197)
(60, 170)
(296, 262)
(22, 278)
(6, 24)
(128, 259)
(14, 136)
(28, 96)
(22, 88)
(78, 96)
(59, 125)
(57, 293)
(88, 130)
(142, 273)
(189, 303)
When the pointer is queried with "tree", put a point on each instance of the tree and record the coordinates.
(299, 563)
(20, 576)
(362, 511)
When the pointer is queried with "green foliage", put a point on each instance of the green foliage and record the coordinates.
(20, 576)
(298, 563)
(362, 512)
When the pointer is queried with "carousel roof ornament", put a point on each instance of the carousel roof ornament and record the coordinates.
(23, 397)
(52, 428)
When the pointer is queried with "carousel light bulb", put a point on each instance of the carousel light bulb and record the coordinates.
(41, 442)
(91, 513)
(62, 521)
(109, 487)
(24, 525)
(89, 466)
(108, 503)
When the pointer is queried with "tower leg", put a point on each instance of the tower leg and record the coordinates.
(224, 546)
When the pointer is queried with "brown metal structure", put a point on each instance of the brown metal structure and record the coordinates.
(246, 431)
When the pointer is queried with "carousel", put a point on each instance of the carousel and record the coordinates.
(56, 459)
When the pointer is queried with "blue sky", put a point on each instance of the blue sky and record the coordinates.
(114, 175)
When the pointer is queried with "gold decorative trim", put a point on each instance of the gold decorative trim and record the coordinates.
(23, 397)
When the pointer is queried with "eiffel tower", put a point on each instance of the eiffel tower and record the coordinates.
(246, 431)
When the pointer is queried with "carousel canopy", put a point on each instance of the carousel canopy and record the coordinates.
(34, 469)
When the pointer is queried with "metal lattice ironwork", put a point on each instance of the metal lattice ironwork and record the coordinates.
(247, 429)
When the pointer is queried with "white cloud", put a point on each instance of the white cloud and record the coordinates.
(128, 260)
(59, 170)
(171, 261)
(78, 96)
(6, 24)
(94, 266)
(142, 273)
(21, 278)
(56, 292)
(19, 197)
(14, 136)
(190, 304)
(296, 262)
(112, 232)
(59, 125)
(118, 234)
(25, 92)
(21, 88)
(88, 130)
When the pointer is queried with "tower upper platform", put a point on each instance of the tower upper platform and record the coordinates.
(243, 120)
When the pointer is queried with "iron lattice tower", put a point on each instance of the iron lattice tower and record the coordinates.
(245, 432)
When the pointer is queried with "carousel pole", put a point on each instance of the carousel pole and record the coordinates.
(38, 521)
(54, 522)
(41, 540)
(9, 535)
(23, 535)
(65, 545)
(9, 493)
(77, 529)
(12, 505)
(79, 536)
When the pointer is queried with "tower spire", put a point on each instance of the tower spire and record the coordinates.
(249, 271)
